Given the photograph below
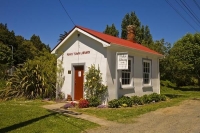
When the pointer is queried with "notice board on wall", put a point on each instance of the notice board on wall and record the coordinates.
(122, 60)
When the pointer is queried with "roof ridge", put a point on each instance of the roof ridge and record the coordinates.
(113, 40)
(119, 41)
(81, 27)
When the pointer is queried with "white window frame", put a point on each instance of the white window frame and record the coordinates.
(130, 85)
(146, 70)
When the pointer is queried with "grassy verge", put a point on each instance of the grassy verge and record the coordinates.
(127, 115)
(30, 117)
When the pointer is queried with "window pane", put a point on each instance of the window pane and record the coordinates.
(146, 72)
(123, 75)
(126, 74)
(123, 81)
(146, 76)
(147, 80)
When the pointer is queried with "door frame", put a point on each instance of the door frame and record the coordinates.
(73, 76)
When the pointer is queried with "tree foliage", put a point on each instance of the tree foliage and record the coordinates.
(142, 33)
(22, 49)
(7, 37)
(161, 47)
(62, 36)
(93, 85)
(111, 30)
(5, 60)
(60, 78)
(184, 60)
(38, 43)
(5, 54)
(35, 74)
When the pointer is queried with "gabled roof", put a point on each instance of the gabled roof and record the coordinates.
(116, 41)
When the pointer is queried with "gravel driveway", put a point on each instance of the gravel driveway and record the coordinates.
(184, 118)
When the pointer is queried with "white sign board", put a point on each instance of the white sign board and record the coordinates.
(79, 73)
(122, 61)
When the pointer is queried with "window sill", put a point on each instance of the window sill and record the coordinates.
(127, 87)
(147, 86)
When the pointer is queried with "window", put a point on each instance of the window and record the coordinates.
(126, 74)
(146, 71)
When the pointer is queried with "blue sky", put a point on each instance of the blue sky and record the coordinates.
(48, 19)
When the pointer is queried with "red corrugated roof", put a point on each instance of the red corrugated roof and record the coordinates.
(118, 41)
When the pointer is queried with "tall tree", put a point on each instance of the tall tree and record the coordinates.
(131, 19)
(25, 51)
(38, 43)
(5, 54)
(146, 37)
(111, 30)
(22, 49)
(161, 47)
(185, 60)
(7, 37)
(142, 33)
(5, 60)
(62, 36)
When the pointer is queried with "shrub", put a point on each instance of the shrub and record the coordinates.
(94, 101)
(33, 79)
(2, 84)
(102, 106)
(113, 103)
(137, 100)
(163, 97)
(69, 105)
(125, 101)
(124, 105)
(155, 97)
(93, 85)
(83, 103)
(61, 95)
(146, 99)
(167, 83)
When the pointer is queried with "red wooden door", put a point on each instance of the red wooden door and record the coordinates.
(78, 82)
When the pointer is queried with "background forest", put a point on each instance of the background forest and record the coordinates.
(35, 68)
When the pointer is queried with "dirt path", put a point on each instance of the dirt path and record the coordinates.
(184, 118)
(99, 121)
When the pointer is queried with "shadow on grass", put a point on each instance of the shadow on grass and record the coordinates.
(25, 123)
(188, 88)
(185, 88)
(66, 113)
(82, 129)
(174, 95)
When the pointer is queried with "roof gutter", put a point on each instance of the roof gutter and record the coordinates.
(61, 43)
(160, 56)
(105, 44)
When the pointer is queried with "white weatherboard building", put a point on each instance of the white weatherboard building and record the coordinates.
(127, 68)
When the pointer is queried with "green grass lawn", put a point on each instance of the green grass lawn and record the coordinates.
(127, 115)
(30, 117)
